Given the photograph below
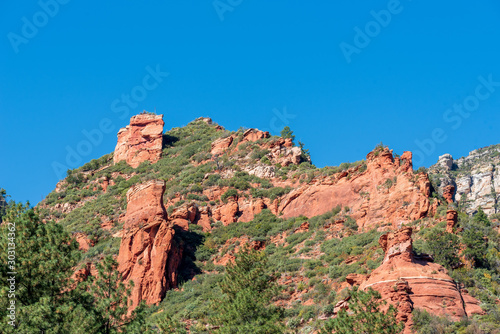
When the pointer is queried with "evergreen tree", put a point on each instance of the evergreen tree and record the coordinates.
(3, 203)
(287, 133)
(474, 236)
(246, 305)
(44, 257)
(364, 316)
(110, 297)
(475, 246)
(46, 299)
(443, 246)
(480, 218)
(305, 155)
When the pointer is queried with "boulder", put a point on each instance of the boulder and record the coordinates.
(220, 145)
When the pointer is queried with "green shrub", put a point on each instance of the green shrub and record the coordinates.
(229, 193)
(443, 246)
(258, 154)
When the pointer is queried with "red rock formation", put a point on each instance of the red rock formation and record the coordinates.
(253, 135)
(409, 282)
(248, 208)
(82, 274)
(451, 220)
(229, 212)
(221, 145)
(304, 227)
(105, 184)
(204, 219)
(387, 192)
(257, 206)
(148, 254)
(184, 215)
(283, 152)
(448, 193)
(83, 242)
(140, 141)
(356, 279)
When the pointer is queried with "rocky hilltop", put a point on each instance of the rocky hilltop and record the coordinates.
(472, 181)
(175, 207)
(140, 141)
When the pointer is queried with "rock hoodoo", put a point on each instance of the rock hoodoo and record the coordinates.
(148, 254)
(448, 193)
(451, 220)
(409, 282)
(140, 141)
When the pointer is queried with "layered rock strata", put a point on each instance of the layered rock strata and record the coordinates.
(140, 141)
(407, 282)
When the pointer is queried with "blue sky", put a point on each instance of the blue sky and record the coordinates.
(344, 76)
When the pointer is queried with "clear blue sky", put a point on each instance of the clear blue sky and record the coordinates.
(245, 63)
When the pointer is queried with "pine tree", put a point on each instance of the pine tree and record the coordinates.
(364, 316)
(3, 203)
(443, 246)
(305, 155)
(481, 219)
(473, 236)
(246, 305)
(111, 297)
(46, 299)
(287, 133)
(44, 257)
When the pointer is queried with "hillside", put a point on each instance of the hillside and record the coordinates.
(175, 208)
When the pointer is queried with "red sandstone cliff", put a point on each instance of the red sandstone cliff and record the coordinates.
(388, 191)
(140, 141)
(148, 254)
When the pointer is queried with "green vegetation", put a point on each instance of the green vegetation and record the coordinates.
(111, 297)
(46, 299)
(426, 323)
(287, 133)
(443, 246)
(3, 203)
(364, 316)
(247, 291)
(481, 276)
